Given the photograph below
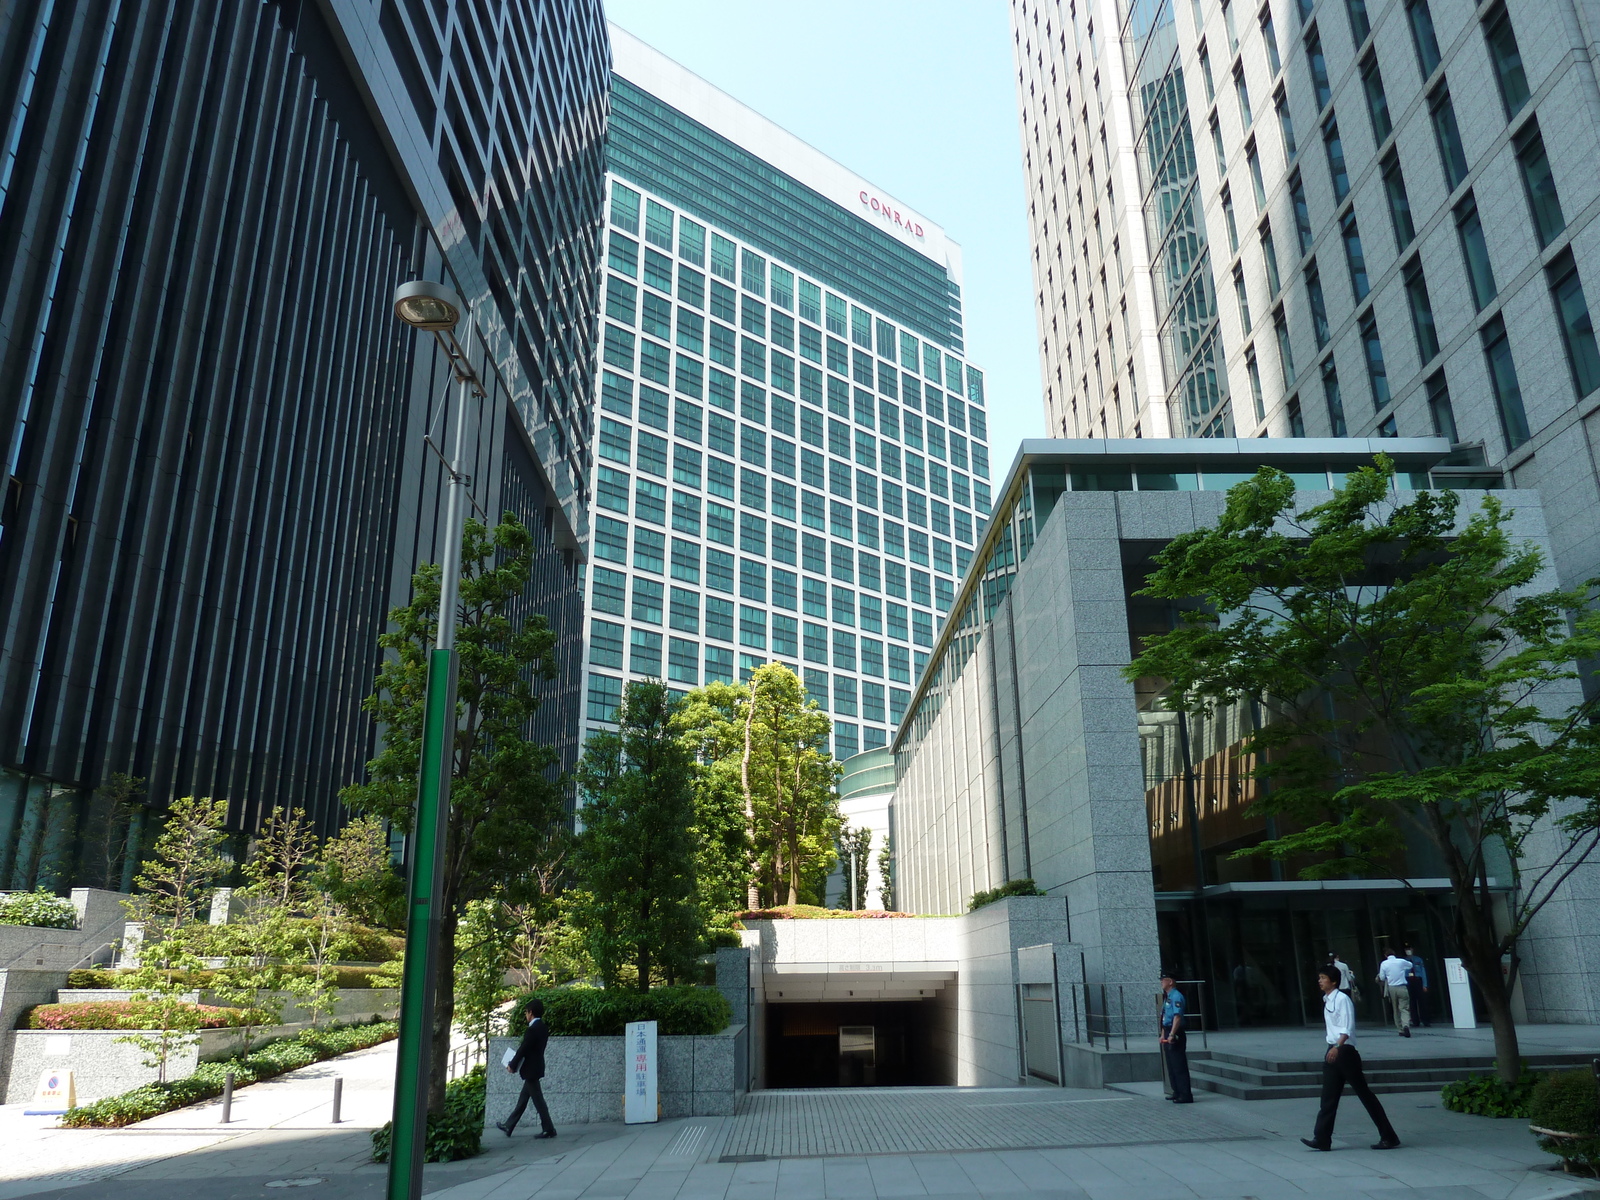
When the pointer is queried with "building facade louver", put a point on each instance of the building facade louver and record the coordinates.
(216, 480)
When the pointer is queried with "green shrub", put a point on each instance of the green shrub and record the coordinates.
(1490, 1096)
(1017, 887)
(602, 1012)
(1567, 1102)
(129, 1014)
(346, 977)
(41, 908)
(285, 1054)
(453, 1134)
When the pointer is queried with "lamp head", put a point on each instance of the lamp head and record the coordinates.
(426, 305)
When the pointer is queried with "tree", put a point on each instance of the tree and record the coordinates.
(636, 855)
(358, 871)
(1416, 694)
(886, 873)
(854, 847)
(482, 949)
(503, 791)
(771, 742)
(287, 851)
(175, 883)
(174, 888)
(712, 723)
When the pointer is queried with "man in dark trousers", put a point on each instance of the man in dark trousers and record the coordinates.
(1342, 1065)
(1175, 1042)
(1417, 985)
(529, 1060)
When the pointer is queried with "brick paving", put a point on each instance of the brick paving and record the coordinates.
(810, 1124)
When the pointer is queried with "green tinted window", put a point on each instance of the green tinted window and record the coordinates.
(722, 257)
(692, 241)
(658, 225)
(624, 207)
(810, 302)
(1102, 479)
(754, 273)
(782, 287)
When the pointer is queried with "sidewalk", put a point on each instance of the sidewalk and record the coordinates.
(929, 1143)
(280, 1131)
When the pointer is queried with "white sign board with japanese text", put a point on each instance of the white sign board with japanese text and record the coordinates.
(639, 1103)
(1460, 994)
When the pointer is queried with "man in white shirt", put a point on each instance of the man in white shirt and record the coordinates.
(1347, 977)
(1393, 972)
(1342, 1065)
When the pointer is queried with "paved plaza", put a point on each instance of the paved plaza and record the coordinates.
(928, 1143)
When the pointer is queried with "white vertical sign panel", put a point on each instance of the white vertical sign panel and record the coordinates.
(1460, 994)
(639, 1103)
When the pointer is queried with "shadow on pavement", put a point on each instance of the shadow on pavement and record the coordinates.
(277, 1164)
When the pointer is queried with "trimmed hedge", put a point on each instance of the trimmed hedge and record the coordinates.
(602, 1012)
(40, 909)
(811, 912)
(129, 1014)
(345, 977)
(453, 1134)
(1566, 1102)
(1017, 887)
(275, 1058)
(1490, 1096)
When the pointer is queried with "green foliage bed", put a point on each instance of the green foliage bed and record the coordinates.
(1017, 887)
(602, 1012)
(129, 1014)
(453, 1134)
(40, 909)
(275, 1058)
(1490, 1096)
(346, 977)
(810, 912)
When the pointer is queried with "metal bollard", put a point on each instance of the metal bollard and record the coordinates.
(227, 1098)
(338, 1096)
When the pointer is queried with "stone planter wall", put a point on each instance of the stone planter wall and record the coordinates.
(101, 1066)
(696, 1077)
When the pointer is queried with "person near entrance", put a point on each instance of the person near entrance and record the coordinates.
(1341, 1065)
(529, 1062)
(1175, 1042)
(1417, 985)
(1394, 973)
(1347, 977)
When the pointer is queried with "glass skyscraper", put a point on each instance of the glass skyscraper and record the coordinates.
(791, 454)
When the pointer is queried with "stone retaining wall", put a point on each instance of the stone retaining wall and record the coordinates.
(695, 1077)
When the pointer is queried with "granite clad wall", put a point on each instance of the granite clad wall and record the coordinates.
(1033, 767)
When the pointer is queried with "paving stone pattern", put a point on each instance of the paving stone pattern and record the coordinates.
(906, 1120)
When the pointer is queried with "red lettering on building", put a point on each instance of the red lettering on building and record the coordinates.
(890, 214)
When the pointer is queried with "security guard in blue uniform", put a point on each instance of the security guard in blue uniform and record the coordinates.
(1175, 1042)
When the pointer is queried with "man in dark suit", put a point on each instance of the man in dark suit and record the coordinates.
(529, 1062)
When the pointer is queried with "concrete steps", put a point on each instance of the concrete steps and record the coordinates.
(1245, 1077)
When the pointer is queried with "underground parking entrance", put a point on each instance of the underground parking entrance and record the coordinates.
(860, 1025)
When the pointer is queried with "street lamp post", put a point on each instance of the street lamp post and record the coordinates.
(433, 308)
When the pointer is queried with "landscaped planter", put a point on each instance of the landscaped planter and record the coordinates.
(583, 1082)
(102, 1066)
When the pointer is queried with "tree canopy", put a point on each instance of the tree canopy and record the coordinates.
(504, 792)
(770, 742)
(636, 854)
(1417, 689)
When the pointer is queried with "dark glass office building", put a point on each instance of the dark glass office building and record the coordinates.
(216, 479)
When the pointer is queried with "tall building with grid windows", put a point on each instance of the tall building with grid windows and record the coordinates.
(216, 482)
(791, 454)
(1324, 218)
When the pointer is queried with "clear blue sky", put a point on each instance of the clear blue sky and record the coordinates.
(916, 96)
